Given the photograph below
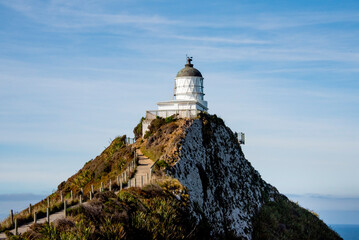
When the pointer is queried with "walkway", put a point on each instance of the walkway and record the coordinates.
(143, 173)
(26, 227)
(142, 177)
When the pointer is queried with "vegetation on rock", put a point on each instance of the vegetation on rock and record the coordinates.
(137, 131)
(283, 219)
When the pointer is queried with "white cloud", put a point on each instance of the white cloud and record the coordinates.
(63, 15)
(230, 40)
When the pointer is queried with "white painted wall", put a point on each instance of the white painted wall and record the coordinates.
(145, 124)
(189, 88)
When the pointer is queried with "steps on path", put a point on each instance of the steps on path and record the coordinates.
(143, 173)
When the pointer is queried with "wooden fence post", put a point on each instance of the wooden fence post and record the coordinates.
(16, 230)
(48, 202)
(48, 214)
(30, 208)
(12, 217)
(92, 190)
(61, 197)
(35, 217)
(65, 208)
(121, 185)
(101, 186)
(80, 198)
(118, 180)
(110, 187)
(90, 196)
(72, 197)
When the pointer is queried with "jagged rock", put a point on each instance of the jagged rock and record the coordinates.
(223, 186)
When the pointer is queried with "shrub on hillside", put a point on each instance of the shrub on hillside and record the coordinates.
(157, 123)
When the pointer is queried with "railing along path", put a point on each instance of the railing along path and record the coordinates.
(140, 168)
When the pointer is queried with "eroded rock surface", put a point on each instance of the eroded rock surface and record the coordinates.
(224, 188)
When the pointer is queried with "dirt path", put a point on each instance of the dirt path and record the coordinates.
(142, 175)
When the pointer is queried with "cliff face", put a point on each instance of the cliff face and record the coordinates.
(227, 196)
(224, 188)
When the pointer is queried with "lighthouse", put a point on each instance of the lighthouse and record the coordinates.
(188, 97)
(188, 91)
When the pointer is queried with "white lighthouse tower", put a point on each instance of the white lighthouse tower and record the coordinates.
(188, 91)
(188, 97)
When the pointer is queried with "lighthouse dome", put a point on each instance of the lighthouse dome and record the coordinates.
(189, 70)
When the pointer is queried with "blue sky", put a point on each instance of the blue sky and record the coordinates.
(75, 74)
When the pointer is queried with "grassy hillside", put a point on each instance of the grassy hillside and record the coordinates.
(108, 165)
(157, 211)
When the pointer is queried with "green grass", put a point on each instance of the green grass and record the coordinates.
(152, 153)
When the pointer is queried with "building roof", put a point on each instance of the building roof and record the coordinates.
(189, 70)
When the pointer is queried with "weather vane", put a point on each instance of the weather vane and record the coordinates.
(189, 59)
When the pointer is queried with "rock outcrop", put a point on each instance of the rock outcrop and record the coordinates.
(226, 193)
(224, 188)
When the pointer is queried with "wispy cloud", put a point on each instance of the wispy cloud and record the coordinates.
(230, 40)
(87, 14)
(270, 21)
(60, 14)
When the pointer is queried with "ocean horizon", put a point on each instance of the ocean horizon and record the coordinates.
(17, 202)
